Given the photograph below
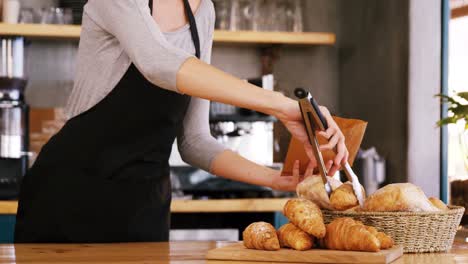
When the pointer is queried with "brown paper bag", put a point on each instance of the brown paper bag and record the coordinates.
(353, 130)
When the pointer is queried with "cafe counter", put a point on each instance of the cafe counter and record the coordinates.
(173, 252)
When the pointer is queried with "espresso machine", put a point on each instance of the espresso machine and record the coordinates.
(14, 117)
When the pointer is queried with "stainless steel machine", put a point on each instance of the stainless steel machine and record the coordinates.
(14, 117)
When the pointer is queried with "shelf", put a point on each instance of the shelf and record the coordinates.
(41, 31)
(290, 38)
(198, 206)
(246, 37)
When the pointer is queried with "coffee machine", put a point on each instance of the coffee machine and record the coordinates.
(14, 117)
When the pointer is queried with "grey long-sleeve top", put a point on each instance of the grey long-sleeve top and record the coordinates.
(116, 33)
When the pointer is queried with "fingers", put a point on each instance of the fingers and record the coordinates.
(328, 133)
(310, 169)
(329, 165)
(331, 143)
(296, 176)
(341, 154)
(308, 150)
(333, 169)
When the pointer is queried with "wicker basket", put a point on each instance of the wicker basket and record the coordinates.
(417, 232)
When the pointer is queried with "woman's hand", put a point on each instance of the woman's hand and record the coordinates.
(336, 142)
(288, 183)
(290, 116)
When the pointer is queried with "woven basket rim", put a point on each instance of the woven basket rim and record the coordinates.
(453, 209)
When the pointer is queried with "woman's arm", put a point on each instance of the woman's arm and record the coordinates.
(232, 166)
(199, 79)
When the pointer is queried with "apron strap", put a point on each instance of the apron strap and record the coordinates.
(192, 23)
(193, 27)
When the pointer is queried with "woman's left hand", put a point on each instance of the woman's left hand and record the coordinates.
(288, 183)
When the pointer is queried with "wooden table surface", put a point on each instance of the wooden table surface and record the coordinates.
(159, 253)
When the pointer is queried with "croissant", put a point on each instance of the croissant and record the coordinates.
(312, 188)
(291, 236)
(343, 198)
(438, 203)
(385, 241)
(347, 234)
(261, 235)
(399, 197)
(306, 215)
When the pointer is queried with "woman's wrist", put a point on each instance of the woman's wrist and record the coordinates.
(271, 177)
(280, 105)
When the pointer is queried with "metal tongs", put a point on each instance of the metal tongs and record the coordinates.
(315, 121)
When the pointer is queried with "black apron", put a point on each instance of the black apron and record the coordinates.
(105, 176)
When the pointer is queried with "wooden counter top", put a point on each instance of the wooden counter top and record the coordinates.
(197, 206)
(173, 252)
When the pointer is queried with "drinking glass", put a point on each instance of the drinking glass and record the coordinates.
(26, 16)
(53, 15)
(223, 14)
(242, 14)
(281, 12)
(262, 15)
(68, 16)
(297, 23)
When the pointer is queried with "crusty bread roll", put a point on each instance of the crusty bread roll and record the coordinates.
(291, 236)
(306, 215)
(343, 198)
(399, 197)
(438, 203)
(261, 235)
(313, 189)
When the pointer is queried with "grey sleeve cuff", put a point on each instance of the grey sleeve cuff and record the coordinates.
(200, 151)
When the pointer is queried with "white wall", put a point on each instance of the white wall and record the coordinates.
(424, 83)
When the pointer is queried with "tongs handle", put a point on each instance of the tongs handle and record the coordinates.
(320, 120)
(312, 122)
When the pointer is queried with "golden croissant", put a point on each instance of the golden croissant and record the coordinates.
(261, 235)
(306, 215)
(343, 198)
(385, 241)
(348, 234)
(292, 237)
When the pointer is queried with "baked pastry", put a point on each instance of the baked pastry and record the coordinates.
(291, 236)
(261, 235)
(306, 215)
(356, 208)
(312, 188)
(438, 203)
(399, 197)
(385, 240)
(343, 198)
(348, 234)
